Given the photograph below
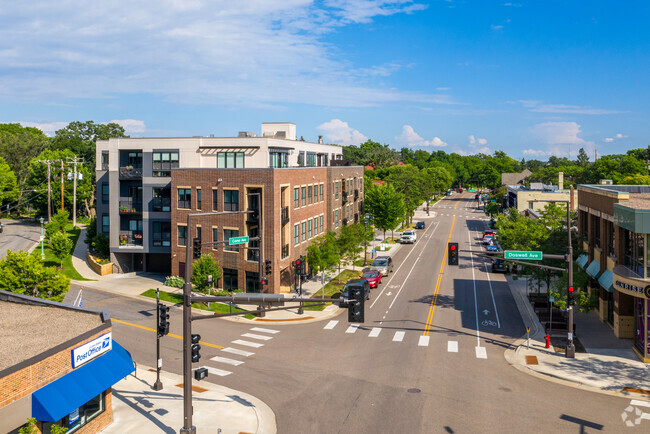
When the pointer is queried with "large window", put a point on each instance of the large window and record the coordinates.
(105, 191)
(231, 200)
(104, 160)
(105, 223)
(303, 231)
(315, 225)
(161, 235)
(595, 230)
(310, 195)
(185, 198)
(301, 158)
(182, 235)
(161, 199)
(321, 193)
(198, 198)
(309, 229)
(215, 199)
(278, 159)
(164, 162)
(303, 195)
(296, 197)
(311, 159)
(227, 234)
(230, 160)
(634, 251)
(296, 234)
(230, 279)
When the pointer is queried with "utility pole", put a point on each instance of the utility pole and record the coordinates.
(74, 161)
(61, 185)
(49, 187)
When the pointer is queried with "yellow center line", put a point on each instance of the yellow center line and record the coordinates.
(172, 335)
(434, 299)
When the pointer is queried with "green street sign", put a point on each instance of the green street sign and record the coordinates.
(237, 240)
(521, 254)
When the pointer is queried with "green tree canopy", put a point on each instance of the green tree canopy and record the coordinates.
(203, 267)
(23, 273)
(385, 205)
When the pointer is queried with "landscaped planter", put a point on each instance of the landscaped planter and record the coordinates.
(98, 268)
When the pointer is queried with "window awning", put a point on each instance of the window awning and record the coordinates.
(606, 280)
(63, 396)
(582, 260)
(593, 269)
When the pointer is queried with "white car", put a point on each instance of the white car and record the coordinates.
(408, 237)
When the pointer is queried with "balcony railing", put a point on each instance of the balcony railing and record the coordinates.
(130, 172)
(344, 196)
(285, 215)
(130, 238)
(285, 251)
(130, 206)
(161, 204)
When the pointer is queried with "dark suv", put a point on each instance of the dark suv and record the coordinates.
(354, 282)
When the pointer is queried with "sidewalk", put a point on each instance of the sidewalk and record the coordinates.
(139, 408)
(609, 365)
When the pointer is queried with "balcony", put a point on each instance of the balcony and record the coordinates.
(130, 206)
(130, 238)
(285, 251)
(130, 172)
(253, 255)
(285, 215)
(345, 222)
(252, 218)
(344, 196)
(356, 194)
(161, 204)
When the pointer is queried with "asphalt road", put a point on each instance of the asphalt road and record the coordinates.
(429, 357)
(17, 236)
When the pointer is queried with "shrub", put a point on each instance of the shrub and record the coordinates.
(57, 224)
(91, 232)
(174, 281)
(101, 245)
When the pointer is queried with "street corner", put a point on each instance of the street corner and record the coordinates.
(288, 317)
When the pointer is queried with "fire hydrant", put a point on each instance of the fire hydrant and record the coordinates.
(548, 341)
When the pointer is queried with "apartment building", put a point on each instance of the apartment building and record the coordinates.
(614, 222)
(148, 186)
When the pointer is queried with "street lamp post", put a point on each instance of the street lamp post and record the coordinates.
(42, 237)
(365, 241)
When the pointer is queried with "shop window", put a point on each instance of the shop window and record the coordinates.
(252, 281)
(80, 417)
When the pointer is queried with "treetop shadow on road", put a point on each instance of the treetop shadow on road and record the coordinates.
(619, 374)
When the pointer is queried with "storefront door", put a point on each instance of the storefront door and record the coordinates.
(610, 308)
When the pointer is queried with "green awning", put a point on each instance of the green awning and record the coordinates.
(606, 280)
(593, 269)
(582, 260)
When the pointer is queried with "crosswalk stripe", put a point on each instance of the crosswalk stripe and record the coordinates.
(330, 325)
(374, 332)
(481, 353)
(452, 346)
(424, 341)
(237, 351)
(263, 330)
(254, 336)
(399, 336)
(353, 328)
(226, 361)
(247, 344)
(219, 372)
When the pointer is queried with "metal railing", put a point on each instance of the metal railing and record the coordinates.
(130, 172)
(161, 204)
(130, 238)
(285, 215)
(129, 206)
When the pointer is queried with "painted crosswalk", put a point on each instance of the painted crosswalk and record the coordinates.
(374, 332)
(353, 328)
(330, 325)
(237, 351)
(219, 372)
(263, 330)
(255, 336)
(247, 343)
(399, 336)
(226, 360)
(452, 346)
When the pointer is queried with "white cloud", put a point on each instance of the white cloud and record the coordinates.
(49, 128)
(131, 125)
(496, 27)
(410, 138)
(620, 136)
(560, 138)
(474, 141)
(539, 107)
(608, 140)
(611, 139)
(535, 152)
(337, 131)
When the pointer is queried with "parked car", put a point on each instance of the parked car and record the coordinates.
(487, 238)
(419, 225)
(408, 237)
(383, 264)
(354, 282)
(449, 193)
(500, 266)
(373, 277)
(494, 247)
(488, 232)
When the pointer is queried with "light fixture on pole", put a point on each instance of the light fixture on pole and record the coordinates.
(42, 237)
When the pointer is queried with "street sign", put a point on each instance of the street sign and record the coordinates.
(551, 299)
(522, 254)
(237, 240)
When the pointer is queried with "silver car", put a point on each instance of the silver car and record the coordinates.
(383, 264)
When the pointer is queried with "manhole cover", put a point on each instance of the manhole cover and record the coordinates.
(531, 360)
(414, 390)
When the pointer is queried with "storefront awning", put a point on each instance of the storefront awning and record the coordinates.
(593, 269)
(606, 280)
(582, 260)
(63, 396)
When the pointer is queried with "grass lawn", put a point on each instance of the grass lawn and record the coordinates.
(333, 288)
(51, 261)
(178, 298)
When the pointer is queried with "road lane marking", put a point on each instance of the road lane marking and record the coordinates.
(219, 372)
(330, 325)
(247, 344)
(263, 330)
(254, 336)
(374, 332)
(237, 351)
(353, 328)
(452, 346)
(399, 336)
(171, 335)
(424, 341)
(481, 353)
(226, 361)
(494, 303)
(471, 257)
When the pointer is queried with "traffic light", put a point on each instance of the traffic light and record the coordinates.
(267, 266)
(196, 348)
(163, 320)
(452, 253)
(303, 265)
(196, 248)
(571, 300)
(355, 304)
(265, 281)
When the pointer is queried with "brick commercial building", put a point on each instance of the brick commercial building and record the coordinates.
(57, 365)
(614, 222)
(147, 187)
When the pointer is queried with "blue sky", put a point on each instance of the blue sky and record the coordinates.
(531, 78)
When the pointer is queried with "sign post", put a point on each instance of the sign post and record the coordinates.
(237, 240)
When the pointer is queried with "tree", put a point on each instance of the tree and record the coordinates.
(322, 254)
(81, 137)
(385, 205)
(8, 184)
(58, 223)
(23, 273)
(409, 181)
(61, 246)
(345, 245)
(583, 158)
(203, 267)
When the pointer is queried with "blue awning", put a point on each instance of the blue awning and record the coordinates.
(606, 280)
(582, 260)
(593, 269)
(63, 396)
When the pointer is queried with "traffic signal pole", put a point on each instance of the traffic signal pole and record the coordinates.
(158, 384)
(188, 428)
